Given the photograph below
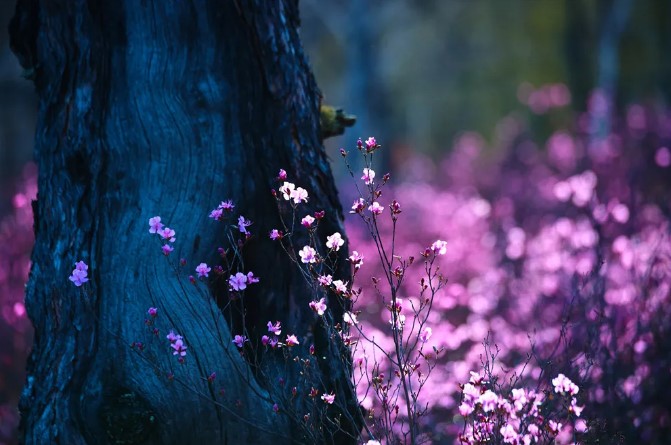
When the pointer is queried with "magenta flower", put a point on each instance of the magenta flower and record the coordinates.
(328, 398)
(155, 224)
(203, 270)
(376, 208)
(238, 281)
(291, 340)
(152, 312)
(166, 249)
(178, 347)
(371, 144)
(335, 241)
(276, 408)
(264, 340)
(239, 340)
(79, 274)
(282, 175)
(275, 328)
(318, 306)
(307, 221)
(167, 234)
(275, 234)
(368, 176)
(308, 255)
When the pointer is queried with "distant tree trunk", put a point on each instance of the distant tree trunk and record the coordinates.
(166, 108)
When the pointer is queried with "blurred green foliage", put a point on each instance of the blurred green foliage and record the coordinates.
(435, 68)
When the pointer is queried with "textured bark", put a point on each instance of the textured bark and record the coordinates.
(165, 108)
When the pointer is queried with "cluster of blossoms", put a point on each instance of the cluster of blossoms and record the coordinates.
(520, 419)
(177, 345)
(222, 208)
(79, 274)
(167, 234)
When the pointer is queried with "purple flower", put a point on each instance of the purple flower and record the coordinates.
(239, 340)
(79, 274)
(203, 270)
(238, 281)
(275, 328)
(155, 224)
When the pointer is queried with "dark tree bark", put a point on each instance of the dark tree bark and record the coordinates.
(166, 108)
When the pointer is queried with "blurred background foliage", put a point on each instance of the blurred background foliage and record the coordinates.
(418, 73)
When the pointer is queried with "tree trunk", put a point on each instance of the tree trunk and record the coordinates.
(167, 108)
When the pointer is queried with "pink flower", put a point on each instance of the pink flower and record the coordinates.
(287, 189)
(358, 206)
(488, 400)
(325, 280)
(574, 408)
(318, 306)
(239, 340)
(167, 234)
(167, 248)
(307, 221)
(368, 176)
(178, 347)
(275, 328)
(372, 442)
(356, 259)
(425, 335)
(340, 286)
(264, 340)
(371, 144)
(152, 312)
(238, 281)
(300, 194)
(275, 234)
(563, 385)
(328, 398)
(291, 340)
(202, 270)
(376, 208)
(79, 274)
(173, 337)
(216, 214)
(282, 175)
(226, 205)
(308, 255)
(243, 224)
(335, 241)
(439, 247)
(155, 224)
(350, 318)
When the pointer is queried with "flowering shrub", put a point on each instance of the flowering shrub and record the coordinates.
(521, 297)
